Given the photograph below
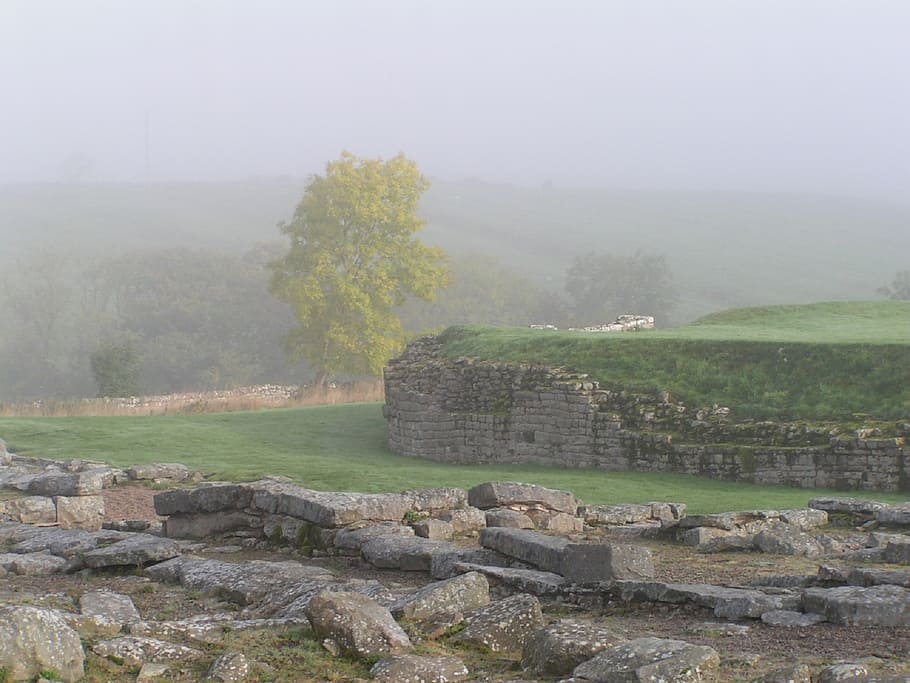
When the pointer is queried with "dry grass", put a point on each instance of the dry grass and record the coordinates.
(244, 399)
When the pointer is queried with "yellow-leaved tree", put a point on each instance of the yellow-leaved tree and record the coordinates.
(353, 259)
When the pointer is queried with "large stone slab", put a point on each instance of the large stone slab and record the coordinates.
(581, 563)
(80, 512)
(34, 640)
(783, 539)
(329, 509)
(137, 550)
(557, 649)
(457, 595)
(726, 602)
(495, 494)
(650, 660)
(419, 669)
(33, 564)
(894, 515)
(137, 650)
(205, 498)
(30, 510)
(849, 505)
(614, 515)
(854, 605)
(357, 624)
(209, 524)
(403, 552)
(530, 581)
(503, 626)
(87, 483)
(355, 537)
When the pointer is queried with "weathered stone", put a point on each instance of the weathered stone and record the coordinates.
(896, 553)
(705, 595)
(158, 472)
(354, 537)
(728, 541)
(503, 626)
(851, 505)
(579, 562)
(494, 494)
(205, 498)
(747, 605)
(30, 510)
(728, 520)
(459, 594)
(359, 625)
(650, 660)
(429, 500)
(700, 535)
(212, 631)
(206, 525)
(613, 515)
(466, 520)
(558, 522)
(894, 515)
(87, 483)
(33, 639)
(713, 629)
(328, 509)
(136, 651)
(443, 564)
(151, 671)
(419, 669)
(557, 649)
(33, 564)
(80, 512)
(512, 519)
(243, 583)
(804, 519)
(230, 667)
(782, 539)
(402, 552)
(853, 605)
(789, 619)
(837, 673)
(137, 551)
(523, 580)
(667, 512)
(434, 529)
(106, 607)
(70, 544)
(794, 673)
(871, 576)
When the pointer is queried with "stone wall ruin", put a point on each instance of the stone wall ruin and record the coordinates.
(469, 411)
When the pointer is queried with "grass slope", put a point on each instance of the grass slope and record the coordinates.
(343, 448)
(820, 361)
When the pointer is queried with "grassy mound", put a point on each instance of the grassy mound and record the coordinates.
(812, 362)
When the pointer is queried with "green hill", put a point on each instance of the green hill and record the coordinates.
(725, 249)
(819, 361)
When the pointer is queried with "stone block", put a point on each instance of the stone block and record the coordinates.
(494, 494)
(30, 510)
(80, 512)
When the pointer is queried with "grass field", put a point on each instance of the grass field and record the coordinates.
(813, 362)
(343, 448)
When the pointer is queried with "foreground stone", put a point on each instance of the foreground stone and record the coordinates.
(503, 626)
(231, 667)
(855, 605)
(557, 649)
(419, 669)
(357, 624)
(106, 607)
(137, 550)
(581, 563)
(651, 660)
(500, 494)
(458, 595)
(34, 640)
(136, 651)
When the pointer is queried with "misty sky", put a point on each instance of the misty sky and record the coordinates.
(786, 95)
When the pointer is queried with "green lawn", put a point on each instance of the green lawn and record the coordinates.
(813, 362)
(343, 448)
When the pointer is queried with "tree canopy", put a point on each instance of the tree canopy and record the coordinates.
(604, 286)
(899, 289)
(353, 259)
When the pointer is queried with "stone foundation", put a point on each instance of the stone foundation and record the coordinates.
(468, 411)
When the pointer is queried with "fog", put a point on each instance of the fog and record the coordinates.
(802, 97)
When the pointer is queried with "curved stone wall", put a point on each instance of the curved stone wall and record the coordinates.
(468, 411)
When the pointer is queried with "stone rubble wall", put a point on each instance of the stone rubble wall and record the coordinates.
(469, 411)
